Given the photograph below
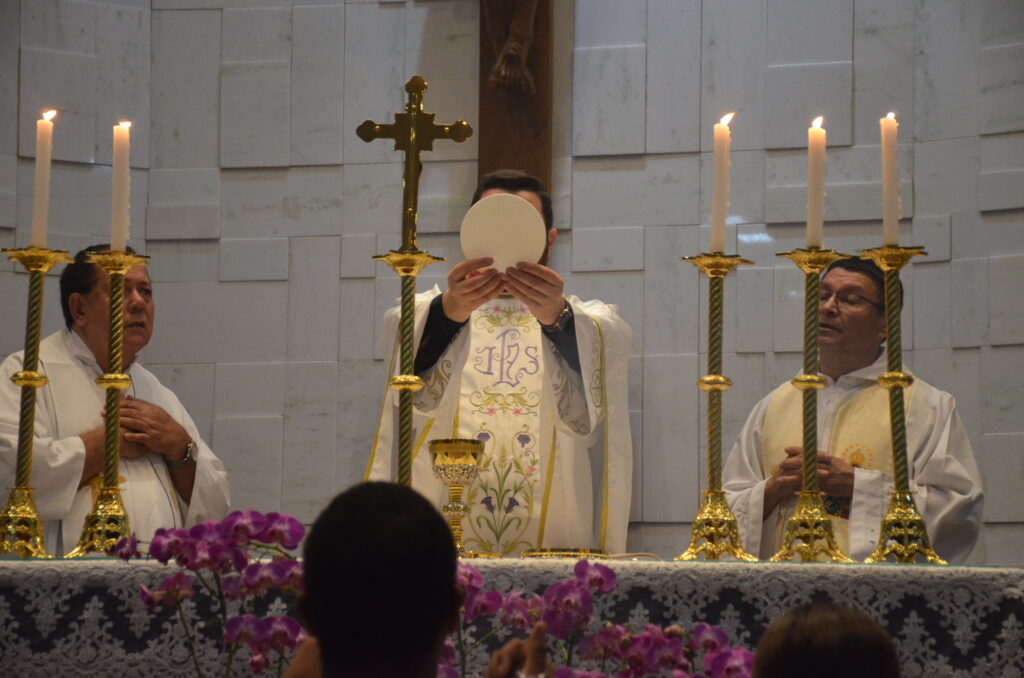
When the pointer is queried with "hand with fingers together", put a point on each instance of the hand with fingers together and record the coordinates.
(539, 287)
(469, 287)
(835, 478)
(147, 426)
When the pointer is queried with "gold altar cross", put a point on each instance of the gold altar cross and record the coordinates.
(413, 131)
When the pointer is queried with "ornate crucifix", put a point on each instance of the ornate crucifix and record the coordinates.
(413, 131)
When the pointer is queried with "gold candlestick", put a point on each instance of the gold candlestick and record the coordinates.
(810, 524)
(456, 463)
(21, 530)
(715, 530)
(903, 534)
(413, 131)
(107, 523)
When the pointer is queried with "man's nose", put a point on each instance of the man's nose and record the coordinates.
(828, 305)
(132, 298)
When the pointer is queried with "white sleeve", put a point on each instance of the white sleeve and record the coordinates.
(743, 480)
(56, 464)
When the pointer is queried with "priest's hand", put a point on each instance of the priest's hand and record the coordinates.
(469, 288)
(539, 287)
(522, 659)
(835, 476)
(786, 482)
(149, 426)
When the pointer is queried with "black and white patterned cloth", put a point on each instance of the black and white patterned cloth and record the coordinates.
(84, 618)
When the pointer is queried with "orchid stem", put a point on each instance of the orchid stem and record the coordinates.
(191, 642)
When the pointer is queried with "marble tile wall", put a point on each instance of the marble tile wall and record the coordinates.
(261, 208)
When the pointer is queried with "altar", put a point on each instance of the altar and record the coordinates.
(85, 618)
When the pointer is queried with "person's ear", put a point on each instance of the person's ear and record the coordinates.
(76, 305)
(552, 236)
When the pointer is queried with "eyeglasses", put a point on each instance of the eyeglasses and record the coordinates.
(848, 300)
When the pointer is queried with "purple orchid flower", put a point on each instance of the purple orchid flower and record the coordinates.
(282, 529)
(598, 578)
(567, 608)
(258, 662)
(607, 643)
(244, 629)
(517, 611)
(281, 633)
(151, 599)
(128, 548)
(708, 638)
(166, 544)
(484, 604)
(241, 526)
(730, 663)
(234, 588)
(176, 587)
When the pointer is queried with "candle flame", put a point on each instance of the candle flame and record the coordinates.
(125, 123)
(727, 118)
(891, 115)
(49, 115)
(817, 121)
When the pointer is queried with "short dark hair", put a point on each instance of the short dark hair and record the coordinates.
(825, 638)
(866, 267)
(380, 552)
(513, 180)
(79, 277)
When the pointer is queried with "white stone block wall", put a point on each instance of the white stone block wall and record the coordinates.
(261, 208)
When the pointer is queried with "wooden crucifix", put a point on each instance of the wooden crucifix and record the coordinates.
(413, 131)
(515, 87)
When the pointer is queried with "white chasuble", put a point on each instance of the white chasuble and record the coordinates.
(503, 383)
(71, 404)
(853, 424)
(860, 436)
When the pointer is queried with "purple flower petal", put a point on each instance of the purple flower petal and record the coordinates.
(241, 526)
(598, 578)
(128, 548)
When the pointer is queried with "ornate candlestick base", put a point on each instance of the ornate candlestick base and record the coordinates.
(903, 535)
(811, 526)
(456, 463)
(21, 530)
(104, 526)
(715, 531)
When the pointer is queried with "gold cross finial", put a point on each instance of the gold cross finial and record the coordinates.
(413, 131)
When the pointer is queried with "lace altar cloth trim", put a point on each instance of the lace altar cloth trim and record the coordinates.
(84, 618)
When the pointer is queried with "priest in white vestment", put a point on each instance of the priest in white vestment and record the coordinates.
(541, 379)
(167, 474)
(855, 470)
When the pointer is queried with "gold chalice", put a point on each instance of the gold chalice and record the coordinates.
(456, 463)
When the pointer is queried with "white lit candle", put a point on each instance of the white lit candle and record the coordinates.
(720, 184)
(119, 219)
(815, 182)
(41, 194)
(890, 180)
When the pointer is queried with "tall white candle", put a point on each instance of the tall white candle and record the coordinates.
(120, 219)
(41, 194)
(720, 183)
(815, 182)
(890, 180)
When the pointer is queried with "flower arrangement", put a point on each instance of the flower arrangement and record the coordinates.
(584, 647)
(235, 562)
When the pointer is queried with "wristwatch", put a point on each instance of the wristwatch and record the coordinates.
(188, 460)
(561, 321)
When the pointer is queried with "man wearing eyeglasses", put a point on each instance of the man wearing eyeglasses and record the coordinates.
(763, 473)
